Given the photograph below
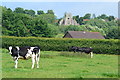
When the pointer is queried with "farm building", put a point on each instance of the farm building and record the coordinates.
(83, 34)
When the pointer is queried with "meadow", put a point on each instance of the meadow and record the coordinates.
(59, 64)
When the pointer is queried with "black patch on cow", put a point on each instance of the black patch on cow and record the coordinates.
(85, 49)
(35, 50)
(23, 51)
(14, 52)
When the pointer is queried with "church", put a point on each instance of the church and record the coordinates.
(68, 20)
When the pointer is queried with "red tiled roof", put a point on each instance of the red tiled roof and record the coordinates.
(85, 19)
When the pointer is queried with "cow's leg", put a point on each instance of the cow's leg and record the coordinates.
(33, 60)
(91, 54)
(16, 62)
(37, 60)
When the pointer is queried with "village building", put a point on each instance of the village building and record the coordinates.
(68, 20)
(83, 35)
(86, 19)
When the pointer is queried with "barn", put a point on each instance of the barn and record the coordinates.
(83, 35)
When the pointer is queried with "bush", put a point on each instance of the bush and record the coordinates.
(100, 46)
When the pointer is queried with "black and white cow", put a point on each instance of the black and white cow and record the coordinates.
(25, 53)
(87, 50)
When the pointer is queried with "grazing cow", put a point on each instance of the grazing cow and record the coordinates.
(25, 53)
(87, 50)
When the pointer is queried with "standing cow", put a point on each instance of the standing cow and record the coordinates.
(87, 50)
(25, 53)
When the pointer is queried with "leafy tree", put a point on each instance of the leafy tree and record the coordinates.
(40, 12)
(87, 16)
(77, 18)
(113, 33)
(30, 12)
(72, 28)
(50, 12)
(103, 16)
(20, 29)
(49, 18)
(9, 10)
(19, 10)
(110, 18)
(81, 20)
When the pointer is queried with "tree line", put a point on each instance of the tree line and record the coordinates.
(23, 22)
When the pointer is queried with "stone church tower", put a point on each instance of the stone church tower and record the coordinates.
(68, 20)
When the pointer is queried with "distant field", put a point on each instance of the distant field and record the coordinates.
(55, 64)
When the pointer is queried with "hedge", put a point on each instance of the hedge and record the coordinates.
(100, 46)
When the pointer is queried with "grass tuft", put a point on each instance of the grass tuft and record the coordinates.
(47, 56)
(110, 75)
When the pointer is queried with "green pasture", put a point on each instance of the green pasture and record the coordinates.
(55, 64)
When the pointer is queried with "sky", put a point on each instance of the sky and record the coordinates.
(60, 0)
(76, 8)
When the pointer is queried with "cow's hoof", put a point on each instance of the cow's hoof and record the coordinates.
(37, 67)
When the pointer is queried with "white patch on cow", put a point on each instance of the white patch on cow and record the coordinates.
(28, 55)
(20, 57)
(17, 48)
(10, 48)
(30, 50)
(16, 62)
(37, 58)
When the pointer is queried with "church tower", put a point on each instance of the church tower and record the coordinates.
(68, 20)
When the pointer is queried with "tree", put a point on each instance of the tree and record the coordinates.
(81, 20)
(49, 18)
(30, 12)
(72, 28)
(19, 10)
(40, 12)
(50, 12)
(41, 29)
(87, 16)
(110, 18)
(77, 18)
(103, 16)
(113, 33)
(9, 10)
(20, 29)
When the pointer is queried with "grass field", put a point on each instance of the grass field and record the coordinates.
(55, 64)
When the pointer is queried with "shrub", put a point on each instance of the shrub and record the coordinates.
(100, 46)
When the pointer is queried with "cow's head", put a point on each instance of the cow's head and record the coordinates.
(13, 50)
(10, 49)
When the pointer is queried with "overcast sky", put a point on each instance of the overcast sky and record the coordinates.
(78, 7)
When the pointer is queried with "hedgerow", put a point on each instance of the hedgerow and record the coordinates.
(100, 46)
